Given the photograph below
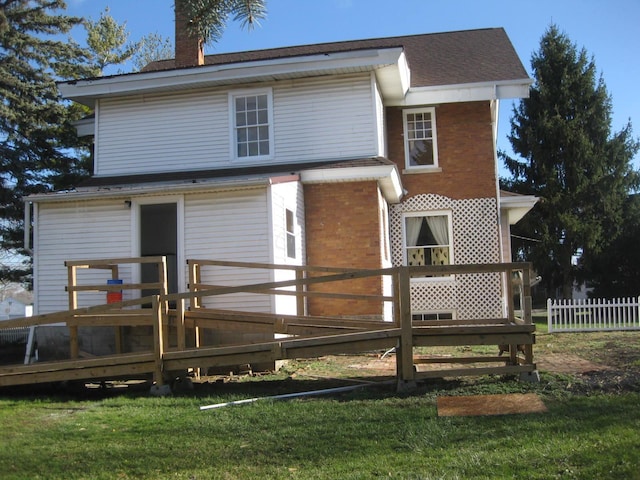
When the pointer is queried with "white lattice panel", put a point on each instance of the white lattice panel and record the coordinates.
(475, 240)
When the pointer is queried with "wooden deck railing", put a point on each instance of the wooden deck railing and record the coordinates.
(301, 334)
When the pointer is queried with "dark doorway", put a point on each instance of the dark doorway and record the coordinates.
(159, 236)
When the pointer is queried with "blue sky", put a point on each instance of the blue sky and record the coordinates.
(608, 30)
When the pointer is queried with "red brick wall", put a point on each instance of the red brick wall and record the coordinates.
(465, 152)
(343, 230)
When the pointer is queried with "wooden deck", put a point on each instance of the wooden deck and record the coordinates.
(176, 345)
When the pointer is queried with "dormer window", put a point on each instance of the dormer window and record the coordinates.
(420, 143)
(252, 135)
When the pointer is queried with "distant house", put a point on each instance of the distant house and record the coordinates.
(367, 153)
(15, 302)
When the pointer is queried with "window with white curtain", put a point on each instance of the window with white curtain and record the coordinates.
(427, 239)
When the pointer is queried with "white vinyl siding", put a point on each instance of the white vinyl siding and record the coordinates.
(163, 133)
(380, 123)
(313, 119)
(316, 120)
(287, 196)
(77, 231)
(230, 226)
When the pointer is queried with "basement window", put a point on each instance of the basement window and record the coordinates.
(252, 125)
(431, 316)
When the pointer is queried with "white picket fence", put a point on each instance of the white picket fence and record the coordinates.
(593, 314)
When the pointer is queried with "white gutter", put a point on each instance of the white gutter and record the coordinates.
(127, 191)
(86, 91)
(387, 177)
(467, 92)
(516, 206)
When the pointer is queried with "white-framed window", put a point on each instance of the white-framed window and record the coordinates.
(420, 138)
(428, 238)
(291, 233)
(251, 123)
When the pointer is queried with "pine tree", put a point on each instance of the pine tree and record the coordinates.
(35, 132)
(571, 160)
(107, 42)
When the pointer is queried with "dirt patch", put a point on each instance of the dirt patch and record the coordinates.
(505, 404)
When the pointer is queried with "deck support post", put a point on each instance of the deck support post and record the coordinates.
(404, 353)
(158, 339)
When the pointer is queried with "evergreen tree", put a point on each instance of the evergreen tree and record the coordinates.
(615, 272)
(35, 130)
(570, 159)
(107, 42)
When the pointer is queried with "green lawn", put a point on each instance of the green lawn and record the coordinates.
(591, 429)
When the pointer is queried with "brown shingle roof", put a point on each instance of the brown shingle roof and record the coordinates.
(450, 58)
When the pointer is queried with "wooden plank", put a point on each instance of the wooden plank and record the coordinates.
(405, 353)
(459, 372)
(473, 329)
(432, 360)
(354, 346)
(107, 263)
(115, 288)
(301, 304)
(43, 367)
(471, 339)
(271, 319)
(111, 320)
(180, 325)
(158, 339)
(129, 371)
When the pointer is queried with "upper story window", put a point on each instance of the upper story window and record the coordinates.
(420, 143)
(252, 123)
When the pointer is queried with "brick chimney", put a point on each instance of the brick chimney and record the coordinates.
(189, 48)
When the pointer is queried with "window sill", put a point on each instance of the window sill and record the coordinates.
(413, 170)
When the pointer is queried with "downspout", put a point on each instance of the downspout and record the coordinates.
(27, 226)
(494, 107)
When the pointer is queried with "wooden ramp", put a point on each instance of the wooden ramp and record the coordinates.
(176, 345)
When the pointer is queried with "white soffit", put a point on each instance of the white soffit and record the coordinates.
(392, 62)
(471, 92)
(387, 177)
(516, 206)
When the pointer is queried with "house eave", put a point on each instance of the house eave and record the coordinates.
(515, 207)
(160, 188)
(470, 92)
(387, 177)
(389, 63)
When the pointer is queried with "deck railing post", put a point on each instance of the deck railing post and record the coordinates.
(158, 339)
(300, 298)
(182, 343)
(74, 349)
(404, 355)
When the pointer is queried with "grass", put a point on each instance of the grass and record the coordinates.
(373, 433)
